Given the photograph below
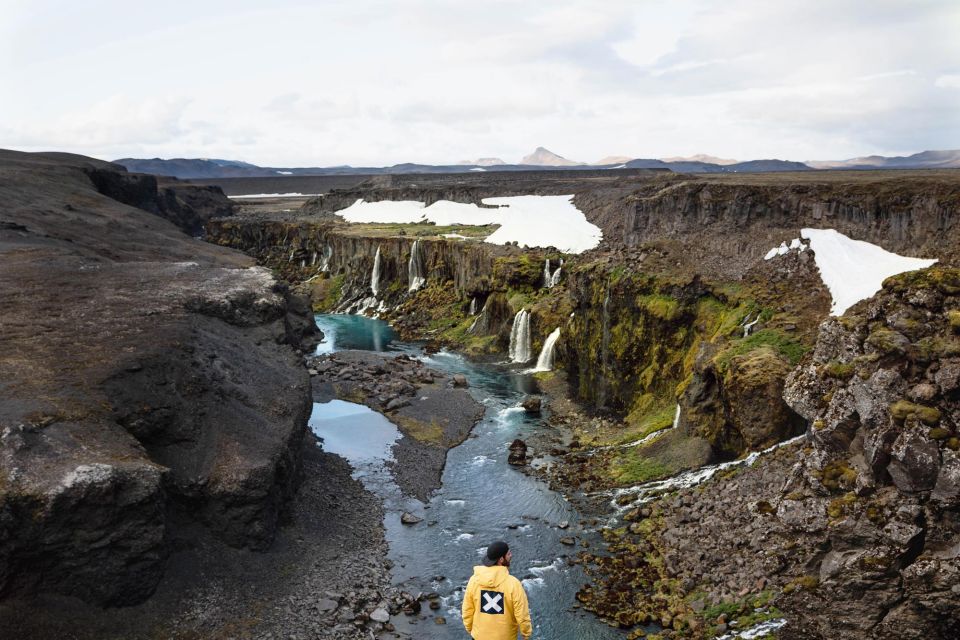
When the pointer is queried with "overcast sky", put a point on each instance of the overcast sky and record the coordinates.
(365, 82)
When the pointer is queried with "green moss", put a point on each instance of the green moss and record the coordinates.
(644, 420)
(903, 409)
(953, 317)
(659, 306)
(431, 432)
(838, 370)
(886, 341)
(388, 229)
(807, 583)
(332, 291)
(634, 468)
(783, 344)
(838, 475)
(946, 279)
(839, 507)
(939, 433)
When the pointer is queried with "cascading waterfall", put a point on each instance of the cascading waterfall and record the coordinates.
(520, 337)
(415, 268)
(476, 320)
(375, 274)
(555, 278)
(748, 326)
(545, 361)
(473, 306)
(327, 255)
(551, 279)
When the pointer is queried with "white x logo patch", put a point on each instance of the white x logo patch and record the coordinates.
(491, 602)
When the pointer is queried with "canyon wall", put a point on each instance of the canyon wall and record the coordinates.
(151, 383)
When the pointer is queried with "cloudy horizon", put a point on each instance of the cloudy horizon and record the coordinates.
(378, 83)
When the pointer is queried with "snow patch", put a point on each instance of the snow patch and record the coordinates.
(533, 221)
(853, 270)
(275, 195)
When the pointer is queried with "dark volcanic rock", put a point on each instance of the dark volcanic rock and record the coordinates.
(150, 381)
(518, 453)
(532, 404)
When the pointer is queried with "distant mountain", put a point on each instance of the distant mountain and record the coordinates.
(612, 160)
(483, 162)
(539, 160)
(761, 166)
(947, 159)
(546, 158)
(192, 167)
(702, 157)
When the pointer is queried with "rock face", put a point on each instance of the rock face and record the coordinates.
(152, 383)
(187, 206)
(728, 222)
(850, 534)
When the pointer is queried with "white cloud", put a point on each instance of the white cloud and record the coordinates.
(948, 81)
(378, 82)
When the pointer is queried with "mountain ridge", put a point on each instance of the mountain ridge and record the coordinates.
(203, 168)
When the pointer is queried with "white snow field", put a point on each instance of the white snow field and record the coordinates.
(533, 221)
(275, 195)
(854, 270)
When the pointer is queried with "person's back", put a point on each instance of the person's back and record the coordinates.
(495, 604)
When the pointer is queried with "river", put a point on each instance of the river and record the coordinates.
(482, 498)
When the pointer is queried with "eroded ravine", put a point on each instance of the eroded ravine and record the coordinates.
(481, 498)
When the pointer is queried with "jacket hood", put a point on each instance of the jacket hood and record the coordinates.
(490, 577)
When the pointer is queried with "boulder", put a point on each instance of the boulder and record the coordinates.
(532, 404)
(518, 453)
(409, 518)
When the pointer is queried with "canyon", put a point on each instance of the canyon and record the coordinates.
(155, 391)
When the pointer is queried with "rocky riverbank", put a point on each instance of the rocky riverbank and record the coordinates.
(434, 412)
(850, 533)
(325, 576)
(153, 443)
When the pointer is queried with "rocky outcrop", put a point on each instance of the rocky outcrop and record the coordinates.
(725, 224)
(189, 207)
(851, 533)
(150, 384)
(301, 249)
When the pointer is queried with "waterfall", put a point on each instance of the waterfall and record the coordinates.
(375, 274)
(748, 326)
(415, 268)
(476, 321)
(327, 255)
(520, 337)
(676, 417)
(545, 361)
(555, 278)
(551, 280)
(473, 306)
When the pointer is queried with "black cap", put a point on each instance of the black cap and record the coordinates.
(494, 552)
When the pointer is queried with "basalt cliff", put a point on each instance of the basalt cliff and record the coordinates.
(149, 381)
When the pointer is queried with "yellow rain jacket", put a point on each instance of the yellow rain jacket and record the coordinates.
(495, 605)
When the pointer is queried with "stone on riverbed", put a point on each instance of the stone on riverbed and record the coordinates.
(518, 453)
(532, 404)
(409, 518)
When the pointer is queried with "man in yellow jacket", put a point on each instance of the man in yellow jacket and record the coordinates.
(495, 604)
